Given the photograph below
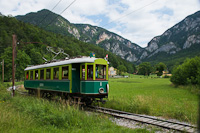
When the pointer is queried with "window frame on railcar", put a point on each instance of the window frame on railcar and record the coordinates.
(93, 66)
(42, 73)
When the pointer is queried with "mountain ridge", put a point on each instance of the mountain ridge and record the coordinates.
(182, 37)
(179, 37)
(119, 45)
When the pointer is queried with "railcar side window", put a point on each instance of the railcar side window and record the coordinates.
(90, 71)
(48, 73)
(27, 75)
(65, 72)
(42, 74)
(31, 75)
(100, 72)
(56, 73)
(36, 74)
(83, 72)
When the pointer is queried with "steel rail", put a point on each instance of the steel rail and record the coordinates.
(178, 126)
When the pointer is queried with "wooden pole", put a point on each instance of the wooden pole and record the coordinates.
(3, 70)
(13, 64)
(198, 126)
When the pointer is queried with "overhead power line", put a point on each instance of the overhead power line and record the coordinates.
(49, 13)
(60, 14)
(130, 13)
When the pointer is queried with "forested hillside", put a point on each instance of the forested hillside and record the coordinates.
(32, 53)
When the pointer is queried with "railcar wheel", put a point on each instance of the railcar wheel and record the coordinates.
(47, 95)
(88, 101)
(31, 92)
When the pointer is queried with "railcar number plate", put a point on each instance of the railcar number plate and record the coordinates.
(41, 84)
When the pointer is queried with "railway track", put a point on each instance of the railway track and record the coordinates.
(177, 126)
(22, 92)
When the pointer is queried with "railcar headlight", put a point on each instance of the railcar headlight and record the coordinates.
(107, 86)
(101, 90)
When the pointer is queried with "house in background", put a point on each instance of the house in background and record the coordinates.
(166, 73)
(112, 71)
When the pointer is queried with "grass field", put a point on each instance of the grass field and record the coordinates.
(28, 114)
(153, 96)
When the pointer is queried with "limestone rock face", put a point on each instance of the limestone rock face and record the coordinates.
(182, 36)
(193, 39)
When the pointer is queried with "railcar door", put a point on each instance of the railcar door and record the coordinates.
(75, 78)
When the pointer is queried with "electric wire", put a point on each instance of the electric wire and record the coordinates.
(129, 13)
(49, 12)
(59, 14)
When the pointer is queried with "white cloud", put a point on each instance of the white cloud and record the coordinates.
(140, 26)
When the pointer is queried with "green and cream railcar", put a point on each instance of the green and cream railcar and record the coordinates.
(83, 77)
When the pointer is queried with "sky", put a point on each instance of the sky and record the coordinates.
(136, 20)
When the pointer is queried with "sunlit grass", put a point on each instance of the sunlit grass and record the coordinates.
(153, 96)
(30, 114)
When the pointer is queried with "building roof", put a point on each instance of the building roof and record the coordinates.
(63, 62)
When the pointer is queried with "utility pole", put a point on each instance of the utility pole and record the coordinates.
(13, 63)
(198, 126)
(3, 70)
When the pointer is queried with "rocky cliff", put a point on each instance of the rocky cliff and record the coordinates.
(182, 36)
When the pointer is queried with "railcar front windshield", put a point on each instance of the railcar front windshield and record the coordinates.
(100, 72)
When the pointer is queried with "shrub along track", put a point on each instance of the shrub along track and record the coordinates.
(178, 126)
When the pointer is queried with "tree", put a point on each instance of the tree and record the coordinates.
(160, 67)
(130, 67)
(121, 69)
(7, 56)
(144, 68)
(198, 76)
(187, 73)
(21, 62)
(29, 33)
(36, 57)
(178, 76)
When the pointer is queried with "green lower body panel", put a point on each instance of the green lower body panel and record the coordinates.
(53, 85)
(92, 87)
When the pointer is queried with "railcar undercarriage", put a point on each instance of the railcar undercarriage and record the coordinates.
(79, 98)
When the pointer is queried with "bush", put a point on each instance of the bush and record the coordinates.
(198, 77)
(166, 76)
(187, 73)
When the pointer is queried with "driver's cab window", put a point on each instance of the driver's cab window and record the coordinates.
(100, 72)
(90, 72)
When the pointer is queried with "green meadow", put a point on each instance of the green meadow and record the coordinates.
(138, 94)
(153, 96)
(28, 114)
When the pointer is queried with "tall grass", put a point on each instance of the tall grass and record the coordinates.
(153, 96)
(29, 114)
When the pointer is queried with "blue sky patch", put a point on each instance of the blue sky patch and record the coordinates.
(101, 19)
(164, 10)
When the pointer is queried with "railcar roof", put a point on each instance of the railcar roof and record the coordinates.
(64, 62)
